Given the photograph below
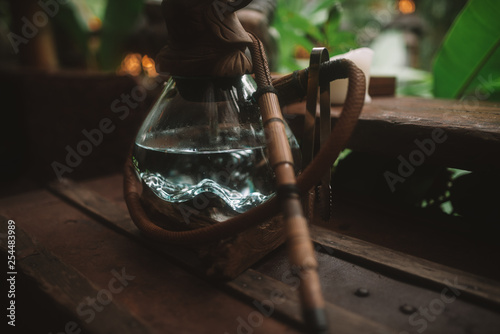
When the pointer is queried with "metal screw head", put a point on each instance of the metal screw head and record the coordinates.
(407, 309)
(362, 292)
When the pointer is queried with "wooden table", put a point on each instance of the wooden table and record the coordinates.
(389, 126)
(82, 264)
(76, 241)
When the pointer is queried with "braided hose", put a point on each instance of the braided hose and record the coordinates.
(321, 164)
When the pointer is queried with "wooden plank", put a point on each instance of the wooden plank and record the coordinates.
(411, 267)
(226, 260)
(68, 287)
(415, 268)
(343, 282)
(100, 206)
(389, 127)
(391, 226)
(269, 295)
(162, 293)
(249, 283)
(119, 220)
(382, 86)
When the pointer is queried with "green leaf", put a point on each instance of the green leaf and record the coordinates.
(119, 20)
(302, 24)
(486, 85)
(308, 24)
(471, 43)
(316, 6)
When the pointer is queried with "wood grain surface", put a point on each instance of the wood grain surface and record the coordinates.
(389, 126)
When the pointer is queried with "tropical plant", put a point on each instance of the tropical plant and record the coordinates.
(468, 62)
(303, 25)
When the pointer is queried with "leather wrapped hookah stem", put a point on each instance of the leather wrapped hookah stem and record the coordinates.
(300, 249)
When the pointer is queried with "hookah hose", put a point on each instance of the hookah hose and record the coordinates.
(293, 87)
(321, 164)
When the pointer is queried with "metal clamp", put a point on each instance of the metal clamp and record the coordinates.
(318, 56)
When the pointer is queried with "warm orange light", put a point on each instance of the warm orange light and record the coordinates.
(148, 64)
(134, 64)
(131, 64)
(406, 6)
(94, 23)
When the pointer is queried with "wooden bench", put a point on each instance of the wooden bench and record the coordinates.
(82, 264)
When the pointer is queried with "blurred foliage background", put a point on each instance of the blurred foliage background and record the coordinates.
(414, 40)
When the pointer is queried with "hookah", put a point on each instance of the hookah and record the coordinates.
(204, 161)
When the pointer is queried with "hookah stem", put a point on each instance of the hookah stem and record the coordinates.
(300, 248)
